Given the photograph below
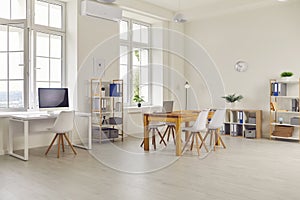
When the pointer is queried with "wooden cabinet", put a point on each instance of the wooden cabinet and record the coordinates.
(284, 109)
(245, 123)
(107, 109)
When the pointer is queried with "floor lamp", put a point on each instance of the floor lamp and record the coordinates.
(186, 86)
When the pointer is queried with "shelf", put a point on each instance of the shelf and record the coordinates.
(274, 124)
(287, 112)
(106, 97)
(286, 81)
(286, 138)
(249, 124)
(286, 97)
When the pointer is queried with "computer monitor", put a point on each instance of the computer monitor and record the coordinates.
(168, 106)
(53, 98)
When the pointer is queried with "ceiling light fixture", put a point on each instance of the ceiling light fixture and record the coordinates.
(282, 0)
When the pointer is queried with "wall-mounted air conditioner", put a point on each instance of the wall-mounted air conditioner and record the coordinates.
(95, 9)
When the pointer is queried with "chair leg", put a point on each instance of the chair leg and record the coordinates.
(197, 143)
(153, 138)
(186, 143)
(162, 139)
(219, 138)
(70, 144)
(62, 143)
(192, 142)
(169, 132)
(51, 144)
(164, 135)
(58, 146)
(202, 142)
(173, 134)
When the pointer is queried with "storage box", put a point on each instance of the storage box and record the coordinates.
(250, 133)
(283, 131)
(106, 133)
(110, 132)
(115, 90)
(295, 121)
(252, 120)
(115, 120)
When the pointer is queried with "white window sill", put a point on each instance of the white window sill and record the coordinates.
(135, 109)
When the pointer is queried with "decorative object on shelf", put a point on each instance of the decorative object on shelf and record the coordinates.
(103, 92)
(286, 76)
(186, 86)
(138, 100)
(241, 66)
(232, 98)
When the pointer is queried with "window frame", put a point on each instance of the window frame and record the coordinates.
(19, 23)
(131, 45)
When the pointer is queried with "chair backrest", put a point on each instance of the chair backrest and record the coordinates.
(217, 119)
(201, 121)
(64, 122)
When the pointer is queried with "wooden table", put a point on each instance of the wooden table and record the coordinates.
(176, 117)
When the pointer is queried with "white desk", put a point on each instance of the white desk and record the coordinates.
(27, 119)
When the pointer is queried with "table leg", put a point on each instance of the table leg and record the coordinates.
(146, 133)
(178, 137)
(187, 133)
(26, 127)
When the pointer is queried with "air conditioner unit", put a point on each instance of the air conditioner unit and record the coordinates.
(94, 9)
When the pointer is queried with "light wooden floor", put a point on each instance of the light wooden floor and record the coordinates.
(247, 169)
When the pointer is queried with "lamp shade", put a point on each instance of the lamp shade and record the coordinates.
(187, 85)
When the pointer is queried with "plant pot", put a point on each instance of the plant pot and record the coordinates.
(287, 78)
(139, 104)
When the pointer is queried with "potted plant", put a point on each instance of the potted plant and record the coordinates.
(286, 75)
(232, 98)
(138, 100)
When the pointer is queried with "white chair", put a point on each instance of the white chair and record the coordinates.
(62, 125)
(198, 127)
(214, 126)
(153, 127)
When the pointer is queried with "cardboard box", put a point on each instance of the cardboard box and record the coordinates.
(283, 131)
(250, 133)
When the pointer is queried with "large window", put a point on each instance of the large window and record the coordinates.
(135, 60)
(42, 41)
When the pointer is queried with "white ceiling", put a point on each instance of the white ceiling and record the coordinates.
(207, 8)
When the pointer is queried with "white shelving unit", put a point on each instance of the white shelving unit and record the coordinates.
(107, 109)
(243, 122)
(284, 105)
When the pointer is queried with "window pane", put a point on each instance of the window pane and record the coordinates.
(55, 85)
(16, 39)
(3, 37)
(55, 70)
(42, 69)
(144, 92)
(41, 13)
(144, 36)
(3, 94)
(16, 65)
(16, 94)
(3, 65)
(136, 36)
(124, 55)
(5, 9)
(55, 46)
(42, 85)
(42, 44)
(144, 57)
(136, 81)
(55, 16)
(136, 56)
(18, 9)
(124, 30)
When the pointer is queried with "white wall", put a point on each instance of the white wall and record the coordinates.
(267, 38)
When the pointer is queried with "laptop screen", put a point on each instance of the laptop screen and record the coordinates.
(168, 106)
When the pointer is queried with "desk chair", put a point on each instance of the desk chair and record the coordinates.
(153, 127)
(213, 128)
(198, 127)
(62, 125)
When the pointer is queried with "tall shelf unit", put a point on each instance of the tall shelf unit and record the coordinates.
(242, 122)
(107, 109)
(284, 109)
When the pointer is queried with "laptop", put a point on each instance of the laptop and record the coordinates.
(167, 106)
